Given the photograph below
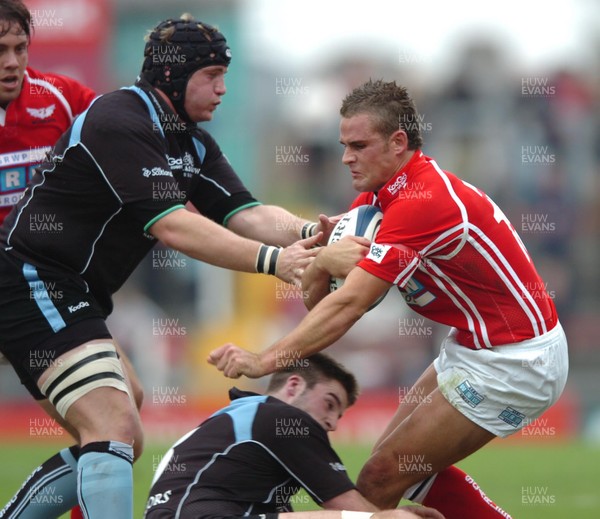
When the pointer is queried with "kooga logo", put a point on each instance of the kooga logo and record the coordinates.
(81, 305)
(398, 184)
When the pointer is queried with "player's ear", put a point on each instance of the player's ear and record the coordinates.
(399, 141)
(294, 386)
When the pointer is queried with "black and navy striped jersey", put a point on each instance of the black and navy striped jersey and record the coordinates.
(124, 163)
(249, 458)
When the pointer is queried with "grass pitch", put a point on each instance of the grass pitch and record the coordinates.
(530, 481)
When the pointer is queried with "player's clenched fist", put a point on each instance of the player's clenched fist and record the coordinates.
(234, 362)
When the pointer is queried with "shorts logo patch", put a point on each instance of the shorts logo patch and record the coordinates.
(468, 393)
(511, 417)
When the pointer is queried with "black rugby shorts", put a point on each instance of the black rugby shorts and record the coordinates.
(43, 314)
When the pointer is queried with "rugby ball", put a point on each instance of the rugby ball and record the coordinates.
(364, 221)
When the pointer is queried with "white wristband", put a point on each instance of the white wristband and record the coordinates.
(356, 515)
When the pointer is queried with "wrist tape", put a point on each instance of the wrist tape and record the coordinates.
(266, 259)
(308, 230)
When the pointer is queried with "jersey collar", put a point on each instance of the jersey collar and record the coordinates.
(235, 393)
(388, 193)
(163, 108)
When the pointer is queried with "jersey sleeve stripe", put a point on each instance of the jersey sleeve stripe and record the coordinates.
(407, 273)
(161, 215)
(236, 211)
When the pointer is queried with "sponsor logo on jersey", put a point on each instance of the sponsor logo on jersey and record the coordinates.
(189, 165)
(41, 113)
(174, 162)
(377, 252)
(16, 158)
(184, 163)
(16, 168)
(79, 306)
(397, 185)
(159, 499)
(156, 172)
(414, 293)
(337, 466)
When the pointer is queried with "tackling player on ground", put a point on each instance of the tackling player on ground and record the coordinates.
(250, 458)
(458, 261)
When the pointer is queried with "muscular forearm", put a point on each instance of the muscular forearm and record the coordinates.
(335, 260)
(315, 282)
(324, 325)
(204, 240)
(267, 223)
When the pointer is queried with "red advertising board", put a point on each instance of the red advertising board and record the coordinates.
(72, 37)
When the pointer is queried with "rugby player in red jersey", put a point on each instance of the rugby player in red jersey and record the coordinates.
(457, 260)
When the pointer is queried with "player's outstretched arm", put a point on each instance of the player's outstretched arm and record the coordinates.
(353, 514)
(204, 240)
(320, 328)
(356, 506)
(275, 225)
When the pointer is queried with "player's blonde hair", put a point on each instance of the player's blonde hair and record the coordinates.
(390, 104)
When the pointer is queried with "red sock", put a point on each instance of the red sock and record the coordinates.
(457, 496)
(76, 513)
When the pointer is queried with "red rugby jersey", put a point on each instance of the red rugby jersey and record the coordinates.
(31, 125)
(456, 258)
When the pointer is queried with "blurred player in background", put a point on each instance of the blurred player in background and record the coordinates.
(250, 458)
(458, 261)
(117, 182)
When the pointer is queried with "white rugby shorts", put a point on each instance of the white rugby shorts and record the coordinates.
(505, 388)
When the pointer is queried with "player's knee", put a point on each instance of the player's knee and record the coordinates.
(115, 418)
(376, 472)
(384, 478)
